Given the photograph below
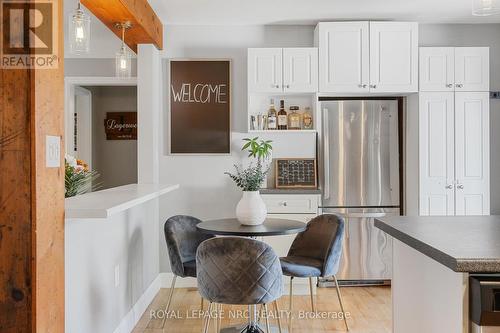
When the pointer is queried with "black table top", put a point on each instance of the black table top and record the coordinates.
(270, 227)
(462, 243)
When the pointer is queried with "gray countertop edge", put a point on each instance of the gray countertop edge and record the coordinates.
(422, 247)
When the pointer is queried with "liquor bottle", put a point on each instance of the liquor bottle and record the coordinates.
(282, 117)
(307, 119)
(272, 117)
(294, 118)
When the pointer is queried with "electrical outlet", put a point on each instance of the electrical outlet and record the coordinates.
(117, 275)
(494, 94)
(52, 151)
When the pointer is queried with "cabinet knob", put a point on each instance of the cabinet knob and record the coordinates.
(361, 85)
(364, 85)
(460, 186)
(287, 86)
(449, 85)
(373, 86)
(459, 85)
(275, 85)
(449, 187)
(284, 203)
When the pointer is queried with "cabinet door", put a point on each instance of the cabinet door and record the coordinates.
(281, 244)
(300, 69)
(472, 69)
(436, 150)
(343, 56)
(265, 70)
(472, 162)
(393, 57)
(437, 69)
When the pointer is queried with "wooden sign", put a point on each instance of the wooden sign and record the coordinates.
(121, 125)
(200, 106)
(295, 173)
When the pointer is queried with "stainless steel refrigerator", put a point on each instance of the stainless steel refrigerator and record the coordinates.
(361, 175)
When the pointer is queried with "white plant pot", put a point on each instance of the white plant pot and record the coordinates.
(251, 210)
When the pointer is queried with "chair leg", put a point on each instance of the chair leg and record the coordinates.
(290, 307)
(201, 305)
(340, 301)
(278, 314)
(170, 294)
(266, 314)
(207, 319)
(311, 292)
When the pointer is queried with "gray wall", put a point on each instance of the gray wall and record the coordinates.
(115, 160)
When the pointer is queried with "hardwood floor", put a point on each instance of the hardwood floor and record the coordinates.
(369, 308)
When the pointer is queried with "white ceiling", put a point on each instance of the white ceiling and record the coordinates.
(248, 12)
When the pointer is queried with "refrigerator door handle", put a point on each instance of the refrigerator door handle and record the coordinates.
(326, 153)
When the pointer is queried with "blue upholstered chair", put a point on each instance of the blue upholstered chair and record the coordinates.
(316, 252)
(183, 239)
(234, 270)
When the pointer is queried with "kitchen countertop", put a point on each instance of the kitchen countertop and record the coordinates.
(462, 243)
(103, 204)
(289, 191)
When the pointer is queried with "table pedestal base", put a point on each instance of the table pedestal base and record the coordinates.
(255, 328)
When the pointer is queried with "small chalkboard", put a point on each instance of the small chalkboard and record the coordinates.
(296, 173)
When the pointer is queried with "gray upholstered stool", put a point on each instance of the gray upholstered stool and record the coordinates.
(233, 270)
(183, 239)
(316, 252)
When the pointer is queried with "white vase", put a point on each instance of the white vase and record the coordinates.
(251, 210)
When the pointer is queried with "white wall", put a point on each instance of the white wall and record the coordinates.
(94, 247)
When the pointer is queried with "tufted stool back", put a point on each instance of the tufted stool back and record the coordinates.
(233, 270)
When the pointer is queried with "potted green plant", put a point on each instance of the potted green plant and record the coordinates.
(251, 209)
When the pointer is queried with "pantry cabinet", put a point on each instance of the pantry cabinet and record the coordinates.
(272, 70)
(360, 57)
(454, 69)
(454, 153)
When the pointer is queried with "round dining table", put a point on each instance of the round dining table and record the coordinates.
(232, 227)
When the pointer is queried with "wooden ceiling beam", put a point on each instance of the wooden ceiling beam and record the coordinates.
(146, 26)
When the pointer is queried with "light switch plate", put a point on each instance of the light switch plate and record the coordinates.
(52, 151)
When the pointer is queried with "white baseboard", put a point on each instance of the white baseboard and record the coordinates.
(132, 318)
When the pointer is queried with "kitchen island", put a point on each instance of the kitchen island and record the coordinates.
(433, 258)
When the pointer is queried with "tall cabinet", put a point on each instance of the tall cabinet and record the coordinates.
(454, 145)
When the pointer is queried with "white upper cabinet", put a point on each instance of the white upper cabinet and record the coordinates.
(344, 56)
(472, 72)
(265, 68)
(472, 152)
(454, 69)
(360, 57)
(300, 69)
(437, 153)
(272, 70)
(437, 69)
(393, 57)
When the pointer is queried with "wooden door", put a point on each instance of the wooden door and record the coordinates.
(300, 70)
(393, 57)
(436, 151)
(437, 69)
(472, 70)
(472, 152)
(265, 67)
(343, 56)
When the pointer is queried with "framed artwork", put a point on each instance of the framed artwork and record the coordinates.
(200, 106)
(121, 125)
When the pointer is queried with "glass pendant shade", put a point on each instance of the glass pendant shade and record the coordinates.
(79, 29)
(123, 63)
(485, 7)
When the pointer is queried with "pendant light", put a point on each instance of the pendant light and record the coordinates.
(485, 7)
(79, 29)
(123, 57)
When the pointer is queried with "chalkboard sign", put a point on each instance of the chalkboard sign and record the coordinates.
(296, 173)
(200, 106)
